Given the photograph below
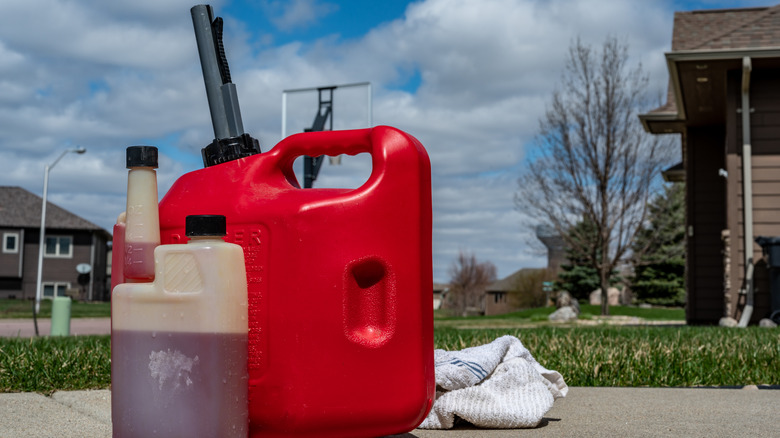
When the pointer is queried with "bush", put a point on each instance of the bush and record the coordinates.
(528, 291)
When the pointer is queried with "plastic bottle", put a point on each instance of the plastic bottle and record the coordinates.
(142, 223)
(179, 344)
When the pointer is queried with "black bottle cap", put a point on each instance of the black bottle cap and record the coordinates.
(141, 156)
(205, 225)
(229, 149)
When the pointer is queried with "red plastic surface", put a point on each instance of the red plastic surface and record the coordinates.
(340, 280)
(118, 256)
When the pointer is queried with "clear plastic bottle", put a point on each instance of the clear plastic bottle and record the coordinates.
(179, 344)
(142, 220)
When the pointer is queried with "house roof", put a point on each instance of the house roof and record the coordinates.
(713, 33)
(20, 208)
(510, 283)
(440, 287)
(675, 173)
(716, 29)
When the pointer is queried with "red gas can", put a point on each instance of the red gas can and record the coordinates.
(340, 281)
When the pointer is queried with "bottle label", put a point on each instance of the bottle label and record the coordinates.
(253, 238)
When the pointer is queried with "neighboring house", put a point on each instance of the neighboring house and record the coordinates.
(70, 241)
(495, 300)
(497, 293)
(439, 291)
(724, 68)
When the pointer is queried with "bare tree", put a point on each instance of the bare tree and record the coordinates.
(468, 280)
(593, 161)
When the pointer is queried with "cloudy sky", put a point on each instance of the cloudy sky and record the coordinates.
(468, 78)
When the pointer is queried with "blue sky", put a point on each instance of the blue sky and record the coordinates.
(469, 78)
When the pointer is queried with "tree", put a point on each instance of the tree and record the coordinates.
(659, 248)
(468, 280)
(528, 291)
(578, 276)
(593, 161)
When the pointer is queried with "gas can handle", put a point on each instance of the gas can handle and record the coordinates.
(314, 144)
(392, 150)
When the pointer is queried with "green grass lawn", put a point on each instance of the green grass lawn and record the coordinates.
(585, 356)
(586, 310)
(78, 309)
(538, 316)
(642, 356)
(46, 364)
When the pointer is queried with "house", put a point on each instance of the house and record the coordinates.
(724, 101)
(439, 291)
(70, 241)
(497, 294)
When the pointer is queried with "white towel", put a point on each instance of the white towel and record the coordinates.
(497, 385)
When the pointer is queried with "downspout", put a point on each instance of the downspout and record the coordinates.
(747, 194)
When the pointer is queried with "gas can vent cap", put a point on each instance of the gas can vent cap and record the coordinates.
(205, 225)
(141, 156)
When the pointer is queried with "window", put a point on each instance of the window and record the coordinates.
(49, 289)
(11, 242)
(58, 246)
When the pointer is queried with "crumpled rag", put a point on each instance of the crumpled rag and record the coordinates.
(497, 385)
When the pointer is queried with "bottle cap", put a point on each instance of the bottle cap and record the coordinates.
(229, 149)
(141, 156)
(205, 225)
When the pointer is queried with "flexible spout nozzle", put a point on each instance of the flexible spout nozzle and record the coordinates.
(231, 142)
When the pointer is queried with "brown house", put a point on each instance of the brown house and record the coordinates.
(497, 294)
(724, 100)
(70, 241)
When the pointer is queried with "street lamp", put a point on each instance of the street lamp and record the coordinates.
(79, 150)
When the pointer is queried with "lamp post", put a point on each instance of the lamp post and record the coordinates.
(38, 291)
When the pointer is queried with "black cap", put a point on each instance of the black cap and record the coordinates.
(229, 149)
(141, 156)
(205, 225)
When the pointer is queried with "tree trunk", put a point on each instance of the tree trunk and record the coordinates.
(604, 293)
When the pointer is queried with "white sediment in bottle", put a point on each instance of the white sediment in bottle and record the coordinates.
(142, 229)
(179, 343)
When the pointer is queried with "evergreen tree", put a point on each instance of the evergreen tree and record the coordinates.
(659, 273)
(578, 276)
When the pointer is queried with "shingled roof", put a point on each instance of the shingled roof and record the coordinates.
(715, 30)
(511, 282)
(20, 208)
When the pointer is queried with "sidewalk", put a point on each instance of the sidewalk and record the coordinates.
(585, 412)
(25, 328)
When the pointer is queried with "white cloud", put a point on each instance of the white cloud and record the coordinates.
(289, 15)
(83, 32)
(106, 75)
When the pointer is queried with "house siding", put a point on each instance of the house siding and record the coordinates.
(706, 213)
(59, 269)
(20, 214)
(101, 280)
(765, 162)
(10, 262)
(497, 303)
